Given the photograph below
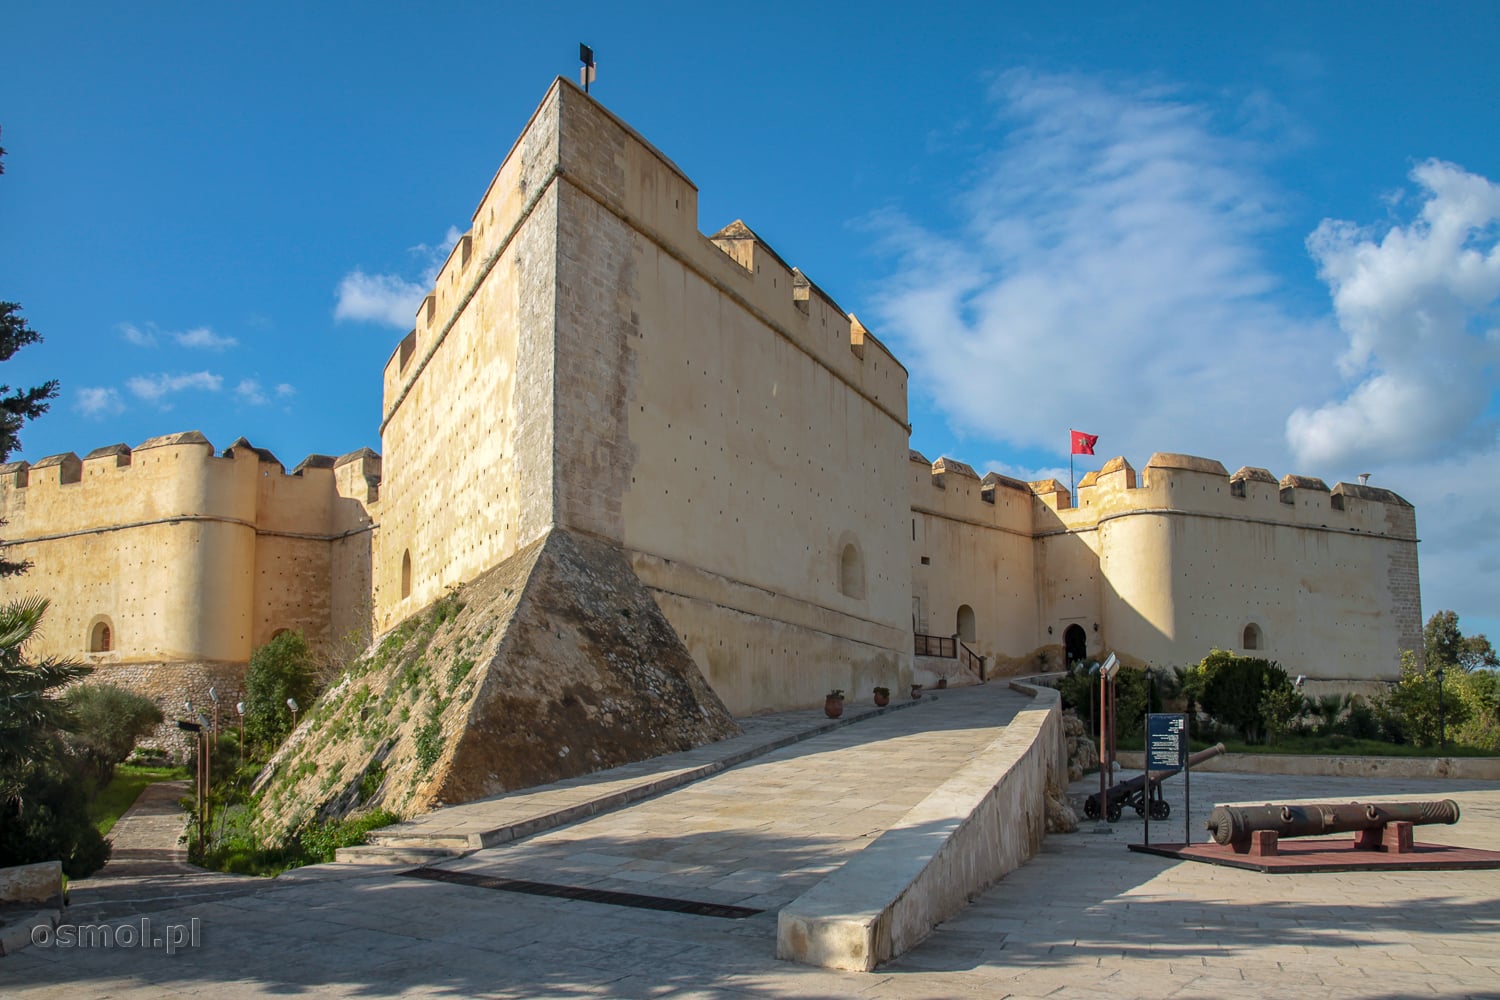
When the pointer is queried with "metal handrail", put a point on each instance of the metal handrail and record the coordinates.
(936, 645)
(971, 659)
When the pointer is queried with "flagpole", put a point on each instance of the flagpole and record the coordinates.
(1071, 452)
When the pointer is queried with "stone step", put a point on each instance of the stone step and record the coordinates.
(376, 854)
(454, 843)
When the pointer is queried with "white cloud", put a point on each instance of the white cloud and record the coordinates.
(435, 253)
(153, 388)
(249, 391)
(1108, 275)
(285, 389)
(204, 338)
(135, 335)
(391, 299)
(1031, 474)
(1418, 303)
(97, 401)
(378, 298)
(198, 338)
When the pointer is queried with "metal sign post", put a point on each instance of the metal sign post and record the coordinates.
(1166, 750)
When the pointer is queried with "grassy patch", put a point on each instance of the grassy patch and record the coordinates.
(123, 789)
(1335, 745)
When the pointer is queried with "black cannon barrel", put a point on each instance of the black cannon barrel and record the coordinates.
(1139, 781)
(1237, 824)
(1126, 789)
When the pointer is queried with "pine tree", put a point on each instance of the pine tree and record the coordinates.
(17, 405)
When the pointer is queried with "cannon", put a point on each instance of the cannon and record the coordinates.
(1237, 826)
(1133, 792)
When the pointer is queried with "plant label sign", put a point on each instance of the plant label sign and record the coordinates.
(1166, 741)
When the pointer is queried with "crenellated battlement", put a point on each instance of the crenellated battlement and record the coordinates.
(1170, 483)
(179, 475)
(799, 308)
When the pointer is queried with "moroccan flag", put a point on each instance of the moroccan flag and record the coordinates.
(1083, 444)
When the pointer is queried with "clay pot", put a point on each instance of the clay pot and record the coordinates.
(833, 707)
(882, 699)
(916, 692)
(942, 683)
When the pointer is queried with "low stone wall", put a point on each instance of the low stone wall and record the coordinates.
(1467, 768)
(171, 685)
(984, 821)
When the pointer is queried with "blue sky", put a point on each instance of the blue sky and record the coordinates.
(1266, 235)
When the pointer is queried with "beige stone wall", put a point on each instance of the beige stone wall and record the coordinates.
(1168, 565)
(976, 540)
(1328, 577)
(191, 558)
(468, 430)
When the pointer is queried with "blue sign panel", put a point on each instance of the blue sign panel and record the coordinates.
(1166, 741)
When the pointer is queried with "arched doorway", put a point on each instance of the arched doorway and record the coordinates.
(1075, 643)
(966, 623)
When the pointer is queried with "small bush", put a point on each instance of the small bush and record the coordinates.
(107, 722)
(429, 745)
(48, 820)
(283, 668)
(319, 841)
(1234, 690)
(1362, 723)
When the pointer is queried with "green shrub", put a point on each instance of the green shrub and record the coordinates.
(429, 745)
(1234, 690)
(1419, 709)
(107, 722)
(283, 668)
(47, 819)
(319, 841)
(1362, 722)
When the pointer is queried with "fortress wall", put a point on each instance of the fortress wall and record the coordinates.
(707, 421)
(1327, 577)
(468, 434)
(160, 549)
(976, 537)
(1069, 588)
(186, 557)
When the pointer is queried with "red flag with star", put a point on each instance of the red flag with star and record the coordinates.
(1083, 444)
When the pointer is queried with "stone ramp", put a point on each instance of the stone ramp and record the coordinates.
(927, 794)
(984, 821)
(488, 822)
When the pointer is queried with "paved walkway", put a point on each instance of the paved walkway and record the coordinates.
(1085, 918)
(762, 834)
(146, 840)
(148, 868)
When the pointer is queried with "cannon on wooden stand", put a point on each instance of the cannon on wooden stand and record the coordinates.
(1240, 826)
(1133, 792)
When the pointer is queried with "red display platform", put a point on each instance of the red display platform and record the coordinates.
(1317, 854)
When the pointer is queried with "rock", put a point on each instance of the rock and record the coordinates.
(1061, 818)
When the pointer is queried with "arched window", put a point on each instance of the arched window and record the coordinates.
(966, 623)
(101, 637)
(406, 573)
(1075, 643)
(852, 572)
(1253, 637)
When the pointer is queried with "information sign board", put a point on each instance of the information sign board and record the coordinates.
(1166, 741)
